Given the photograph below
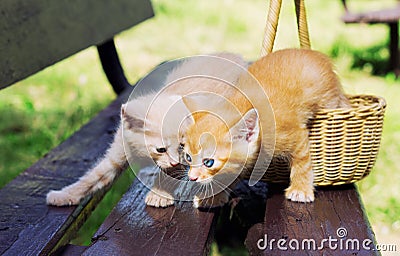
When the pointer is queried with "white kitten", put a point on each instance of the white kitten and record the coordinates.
(150, 126)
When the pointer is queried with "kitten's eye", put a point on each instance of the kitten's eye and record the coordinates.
(208, 162)
(161, 150)
(188, 158)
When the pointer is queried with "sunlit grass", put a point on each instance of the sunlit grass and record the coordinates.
(45, 109)
(40, 112)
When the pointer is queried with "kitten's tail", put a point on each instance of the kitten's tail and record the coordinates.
(110, 167)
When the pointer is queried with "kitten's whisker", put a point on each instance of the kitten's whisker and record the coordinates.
(206, 190)
(222, 185)
(198, 189)
(213, 195)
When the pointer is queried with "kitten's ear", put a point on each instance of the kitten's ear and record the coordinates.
(131, 121)
(196, 103)
(186, 117)
(247, 128)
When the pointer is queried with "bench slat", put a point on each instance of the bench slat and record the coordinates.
(334, 208)
(33, 34)
(27, 225)
(390, 15)
(133, 228)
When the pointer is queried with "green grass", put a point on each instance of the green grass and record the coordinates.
(43, 110)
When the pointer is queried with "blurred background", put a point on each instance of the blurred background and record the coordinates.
(76, 89)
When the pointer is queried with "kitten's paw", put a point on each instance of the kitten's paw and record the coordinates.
(299, 195)
(61, 198)
(210, 202)
(159, 199)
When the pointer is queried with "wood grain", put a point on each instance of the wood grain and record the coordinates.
(335, 208)
(27, 225)
(133, 228)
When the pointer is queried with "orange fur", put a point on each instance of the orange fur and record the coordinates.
(298, 83)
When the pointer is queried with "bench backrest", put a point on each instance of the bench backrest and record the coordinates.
(38, 33)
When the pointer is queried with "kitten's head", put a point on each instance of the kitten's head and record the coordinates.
(151, 125)
(217, 149)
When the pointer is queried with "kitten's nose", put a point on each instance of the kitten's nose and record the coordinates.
(193, 178)
(193, 174)
(174, 164)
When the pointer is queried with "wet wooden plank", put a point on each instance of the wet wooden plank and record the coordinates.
(36, 34)
(27, 225)
(70, 249)
(246, 209)
(133, 228)
(337, 215)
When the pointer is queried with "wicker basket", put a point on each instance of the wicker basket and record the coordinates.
(344, 143)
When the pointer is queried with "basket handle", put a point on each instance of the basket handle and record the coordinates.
(272, 24)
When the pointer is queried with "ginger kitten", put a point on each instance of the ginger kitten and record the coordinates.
(150, 126)
(298, 83)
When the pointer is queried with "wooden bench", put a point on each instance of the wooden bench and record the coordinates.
(29, 227)
(389, 16)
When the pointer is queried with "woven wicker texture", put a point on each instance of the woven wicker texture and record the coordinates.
(272, 25)
(344, 143)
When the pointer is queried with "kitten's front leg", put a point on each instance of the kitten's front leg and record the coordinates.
(301, 187)
(159, 198)
(63, 197)
(160, 193)
(95, 179)
(110, 167)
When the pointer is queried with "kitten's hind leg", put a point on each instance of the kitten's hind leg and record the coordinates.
(301, 187)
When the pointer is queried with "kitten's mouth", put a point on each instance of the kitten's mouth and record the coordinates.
(193, 178)
(195, 174)
(174, 164)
